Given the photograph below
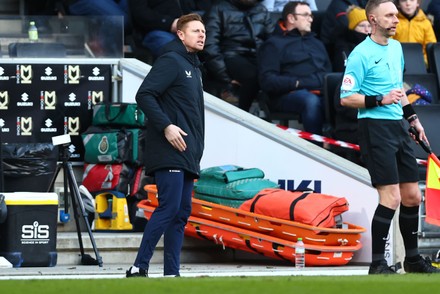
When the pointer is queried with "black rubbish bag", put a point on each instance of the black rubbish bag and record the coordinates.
(29, 166)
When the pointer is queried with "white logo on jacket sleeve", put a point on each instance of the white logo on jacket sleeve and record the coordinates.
(347, 82)
(188, 73)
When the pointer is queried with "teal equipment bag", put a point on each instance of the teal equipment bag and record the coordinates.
(104, 145)
(118, 115)
(230, 185)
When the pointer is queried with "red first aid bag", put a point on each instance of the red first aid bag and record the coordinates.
(103, 177)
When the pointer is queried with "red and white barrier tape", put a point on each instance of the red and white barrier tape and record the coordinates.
(319, 138)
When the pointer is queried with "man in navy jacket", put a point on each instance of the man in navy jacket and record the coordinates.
(171, 96)
(292, 64)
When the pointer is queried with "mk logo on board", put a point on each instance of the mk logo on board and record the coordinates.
(24, 126)
(4, 100)
(71, 126)
(72, 74)
(48, 100)
(94, 97)
(24, 74)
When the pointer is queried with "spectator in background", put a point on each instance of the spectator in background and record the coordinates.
(335, 20)
(414, 26)
(346, 121)
(278, 5)
(357, 30)
(292, 65)
(156, 21)
(434, 10)
(236, 29)
(195, 6)
(103, 40)
(98, 7)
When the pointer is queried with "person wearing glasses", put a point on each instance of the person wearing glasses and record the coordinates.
(373, 83)
(291, 67)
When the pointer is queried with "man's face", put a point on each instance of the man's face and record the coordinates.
(193, 36)
(302, 19)
(384, 19)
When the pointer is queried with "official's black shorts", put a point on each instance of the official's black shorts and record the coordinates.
(386, 151)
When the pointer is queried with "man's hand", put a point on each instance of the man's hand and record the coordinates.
(420, 132)
(393, 97)
(174, 135)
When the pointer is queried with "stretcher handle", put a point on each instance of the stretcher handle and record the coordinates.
(422, 143)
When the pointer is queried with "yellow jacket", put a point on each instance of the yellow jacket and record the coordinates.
(417, 30)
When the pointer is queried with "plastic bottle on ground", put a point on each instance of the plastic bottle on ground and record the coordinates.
(300, 256)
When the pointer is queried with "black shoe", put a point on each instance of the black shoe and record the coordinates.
(142, 273)
(420, 266)
(381, 268)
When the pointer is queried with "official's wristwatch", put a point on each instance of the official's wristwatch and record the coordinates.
(379, 99)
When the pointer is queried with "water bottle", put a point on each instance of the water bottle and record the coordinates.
(300, 254)
(33, 32)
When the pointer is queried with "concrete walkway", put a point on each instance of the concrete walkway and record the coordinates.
(116, 271)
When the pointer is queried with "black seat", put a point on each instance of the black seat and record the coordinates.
(331, 82)
(271, 116)
(433, 54)
(429, 116)
(414, 60)
(35, 50)
(427, 80)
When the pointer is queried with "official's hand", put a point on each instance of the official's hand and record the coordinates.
(174, 135)
(420, 130)
(393, 97)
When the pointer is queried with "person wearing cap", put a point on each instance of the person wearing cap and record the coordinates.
(357, 30)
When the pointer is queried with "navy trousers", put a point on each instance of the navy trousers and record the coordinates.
(168, 219)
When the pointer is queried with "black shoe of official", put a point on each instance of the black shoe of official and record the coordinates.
(381, 268)
(141, 274)
(423, 265)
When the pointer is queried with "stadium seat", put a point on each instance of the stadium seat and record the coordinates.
(414, 60)
(331, 82)
(272, 116)
(433, 53)
(33, 50)
(429, 116)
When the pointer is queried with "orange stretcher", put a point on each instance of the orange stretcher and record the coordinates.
(254, 242)
(270, 226)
